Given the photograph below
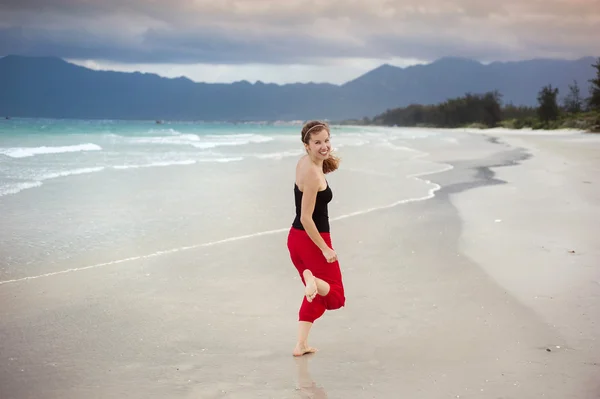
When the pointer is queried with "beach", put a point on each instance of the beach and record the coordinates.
(471, 264)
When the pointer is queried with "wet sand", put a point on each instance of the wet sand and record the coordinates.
(470, 294)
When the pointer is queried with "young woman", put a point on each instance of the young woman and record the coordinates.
(309, 239)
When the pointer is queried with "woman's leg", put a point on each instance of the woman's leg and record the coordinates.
(305, 254)
(311, 309)
(314, 285)
(302, 347)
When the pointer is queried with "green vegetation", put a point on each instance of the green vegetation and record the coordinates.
(573, 102)
(472, 108)
(594, 100)
(486, 111)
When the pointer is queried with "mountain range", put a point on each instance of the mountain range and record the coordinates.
(49, 87)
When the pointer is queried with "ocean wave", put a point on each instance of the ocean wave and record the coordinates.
(224, 160)
(198, 141)
(23, 152)
(175, 163)
(280, 155)
(38, 180)
(232, 140)
(179, 139)
(14, 188)
(65, 173)
(155, 164)
(18, 187)
(170, 131)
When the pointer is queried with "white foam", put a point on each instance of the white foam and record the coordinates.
(232, 140)
(234, 136)
(175, 163)
(280, 155)
(49, 176)
(18, 187)
(205, 146)
(22, 152)
(201, 142)
(183, 139)
(156, 164)
(170, 131)
(224, 160)
(430, 194)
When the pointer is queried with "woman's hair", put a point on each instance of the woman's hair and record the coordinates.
(330, 164)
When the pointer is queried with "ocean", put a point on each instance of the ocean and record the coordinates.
(77, 194)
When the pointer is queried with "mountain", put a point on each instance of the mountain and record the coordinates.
(53, 88)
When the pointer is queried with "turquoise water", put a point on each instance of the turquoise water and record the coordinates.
(79, 193)
(33, 151)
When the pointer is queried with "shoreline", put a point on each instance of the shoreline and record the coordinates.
(430, 194)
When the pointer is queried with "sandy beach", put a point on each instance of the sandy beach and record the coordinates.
(490, 289)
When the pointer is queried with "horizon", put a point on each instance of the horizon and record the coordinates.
(289, 81)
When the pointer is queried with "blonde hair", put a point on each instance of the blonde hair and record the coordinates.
(330, 164)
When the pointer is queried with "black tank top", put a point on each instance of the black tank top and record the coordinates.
(320, 215)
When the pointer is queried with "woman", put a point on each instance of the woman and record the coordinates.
(309, 240)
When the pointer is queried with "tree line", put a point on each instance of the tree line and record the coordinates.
(487, 110)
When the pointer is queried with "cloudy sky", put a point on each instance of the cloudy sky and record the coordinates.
(286, 41)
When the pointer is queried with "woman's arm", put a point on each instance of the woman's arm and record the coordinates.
(310, 189)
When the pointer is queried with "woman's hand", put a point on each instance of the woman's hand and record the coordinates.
(330, 255)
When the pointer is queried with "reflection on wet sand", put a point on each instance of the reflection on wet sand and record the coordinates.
(306, 385)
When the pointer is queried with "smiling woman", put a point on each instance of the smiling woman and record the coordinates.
(309, 240)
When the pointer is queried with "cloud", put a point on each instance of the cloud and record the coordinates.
(298, 32)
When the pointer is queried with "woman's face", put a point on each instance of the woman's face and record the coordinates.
(319, 146)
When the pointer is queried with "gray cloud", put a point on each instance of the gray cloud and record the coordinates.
(294, 31)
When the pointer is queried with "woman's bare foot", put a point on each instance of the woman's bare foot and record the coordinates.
(311, 286)
(303, 349)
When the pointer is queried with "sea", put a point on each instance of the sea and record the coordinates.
(78, 194)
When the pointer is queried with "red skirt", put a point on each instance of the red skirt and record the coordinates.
(306, 255)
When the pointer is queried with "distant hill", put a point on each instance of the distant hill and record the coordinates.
(53, 88)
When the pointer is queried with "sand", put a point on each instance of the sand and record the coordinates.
(474, 293)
